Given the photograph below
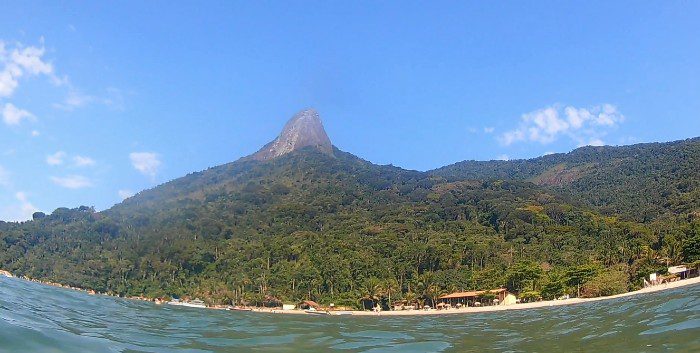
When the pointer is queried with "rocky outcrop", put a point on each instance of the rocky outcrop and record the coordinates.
(304, 129)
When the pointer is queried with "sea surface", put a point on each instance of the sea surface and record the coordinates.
(38, 318)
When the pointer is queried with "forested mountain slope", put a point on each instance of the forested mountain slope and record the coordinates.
(641, 182)
(329, 226)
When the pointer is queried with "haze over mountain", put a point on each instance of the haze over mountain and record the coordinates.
(302, 219)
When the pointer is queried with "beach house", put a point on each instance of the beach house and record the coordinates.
(308, 305)
(500, 296)
(683, 272)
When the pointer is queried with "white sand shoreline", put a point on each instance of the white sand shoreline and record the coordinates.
(522, 306)
(467, 310)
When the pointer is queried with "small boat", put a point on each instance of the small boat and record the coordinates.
(196, 304)
(340, 313)
(317, 312)
(192, 304)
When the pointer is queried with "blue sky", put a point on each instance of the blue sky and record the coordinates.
(101, 100)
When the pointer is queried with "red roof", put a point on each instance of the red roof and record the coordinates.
(472, 293)
(311, 303)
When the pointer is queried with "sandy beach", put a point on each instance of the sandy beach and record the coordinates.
(484, 309)
(453, 311)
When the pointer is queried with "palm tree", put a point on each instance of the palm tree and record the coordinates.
(390, 286)
(426, 286)
(371, 290)
(410, 297)
(433, 292)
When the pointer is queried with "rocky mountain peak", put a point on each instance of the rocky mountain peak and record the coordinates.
(303, 129)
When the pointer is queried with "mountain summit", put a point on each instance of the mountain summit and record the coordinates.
(302, 130)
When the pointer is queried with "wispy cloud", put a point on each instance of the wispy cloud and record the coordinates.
(82, 161)
(13, 116)
(503, 157)
(56, 158)
(60, 158)
(125, 194)
(20, 61)
(20, 210)
(13, 211)
(147, 163)
(585, 126)
(113, 98)
(26, 209)
(72, 181)
(593, 142)
(75, 99)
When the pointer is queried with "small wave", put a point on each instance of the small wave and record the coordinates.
(37, 318)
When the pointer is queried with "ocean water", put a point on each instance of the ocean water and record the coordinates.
(37, 318)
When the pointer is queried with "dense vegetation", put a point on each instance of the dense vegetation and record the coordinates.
(639, 182)
(337, 229)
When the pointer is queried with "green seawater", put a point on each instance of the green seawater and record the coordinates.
(37, 318)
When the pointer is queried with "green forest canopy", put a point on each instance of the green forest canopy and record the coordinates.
(336, 229)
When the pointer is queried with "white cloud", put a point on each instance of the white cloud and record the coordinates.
(59, 158)
(489, 129)
(77, 99)
(81, 161)
(582, 125)
(72, 181)
(29, 59)
(147, 163)
(125, 194)
(13, 116)
(35, 133)
(113, 98)
(74, 100)
(609, 116)
(509, 137)
(19, 61)
(577, 117)
(18, 212)
(503, 157)
(56, 158)
(25, 207)
(594, 142)
(8, 83)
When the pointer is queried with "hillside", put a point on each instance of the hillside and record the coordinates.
(641, 182)
(307, 222)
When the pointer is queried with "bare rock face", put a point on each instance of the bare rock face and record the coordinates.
(304, 129)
